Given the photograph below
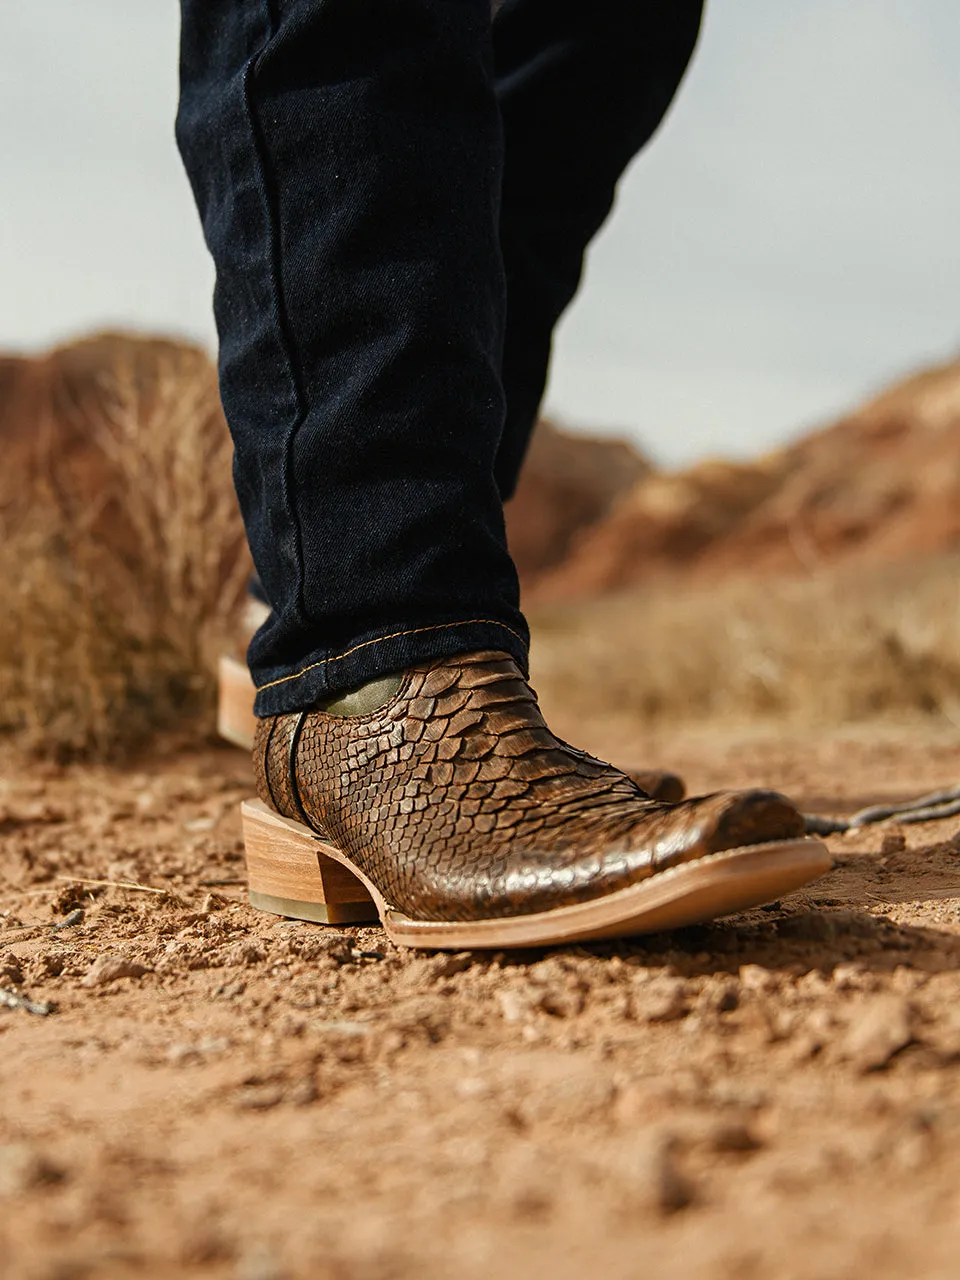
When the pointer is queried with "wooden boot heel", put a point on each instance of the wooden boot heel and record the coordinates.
(289, 874)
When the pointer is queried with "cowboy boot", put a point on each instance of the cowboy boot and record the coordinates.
(439, 801)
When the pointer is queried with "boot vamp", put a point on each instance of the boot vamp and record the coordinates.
(473, 861)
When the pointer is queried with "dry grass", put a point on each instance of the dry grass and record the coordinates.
(117, 596)
(840, 647)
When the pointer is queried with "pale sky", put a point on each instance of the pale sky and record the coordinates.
(788, 242)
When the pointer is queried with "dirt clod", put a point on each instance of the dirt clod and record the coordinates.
(110, 968)
(651, 1175)
(877, 1031)
(23, 1167)
(259, 1097)
(894, 841)
(662, 1000)
(734, 1135)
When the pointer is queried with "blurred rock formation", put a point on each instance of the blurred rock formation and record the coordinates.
(880, 486)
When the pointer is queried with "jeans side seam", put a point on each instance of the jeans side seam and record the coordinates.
(284, 333)
(396, 635)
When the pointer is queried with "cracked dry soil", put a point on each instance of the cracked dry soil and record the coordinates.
(219, 1093)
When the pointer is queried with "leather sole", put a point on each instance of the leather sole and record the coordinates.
(292, 872)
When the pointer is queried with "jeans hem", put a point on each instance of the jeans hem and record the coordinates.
(319, 677)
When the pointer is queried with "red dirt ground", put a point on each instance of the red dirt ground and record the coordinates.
(773, 1096)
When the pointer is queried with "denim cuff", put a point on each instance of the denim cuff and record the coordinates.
(323, 675)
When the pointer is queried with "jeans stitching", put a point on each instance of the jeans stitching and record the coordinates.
(395, 635)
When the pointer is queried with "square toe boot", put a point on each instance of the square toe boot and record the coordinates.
(451, 812)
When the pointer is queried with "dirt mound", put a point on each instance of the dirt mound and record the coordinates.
(880, 486)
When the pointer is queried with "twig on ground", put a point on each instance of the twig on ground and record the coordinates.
(113, 884)
(54, 926)
(13, 1000)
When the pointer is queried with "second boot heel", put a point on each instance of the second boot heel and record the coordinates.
(290, 875)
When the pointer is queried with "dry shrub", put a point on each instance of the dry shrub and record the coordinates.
(832, 649)
(117, 599)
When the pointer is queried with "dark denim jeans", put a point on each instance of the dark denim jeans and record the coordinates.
(397, 195)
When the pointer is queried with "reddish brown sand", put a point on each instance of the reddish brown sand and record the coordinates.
(222, 1094)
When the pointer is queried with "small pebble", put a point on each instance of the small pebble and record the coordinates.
(734, 1135)
(654, 1178)
(259, 1097)
(755, 977)
(878, 1030)
(893, 842)
(662, 1000)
